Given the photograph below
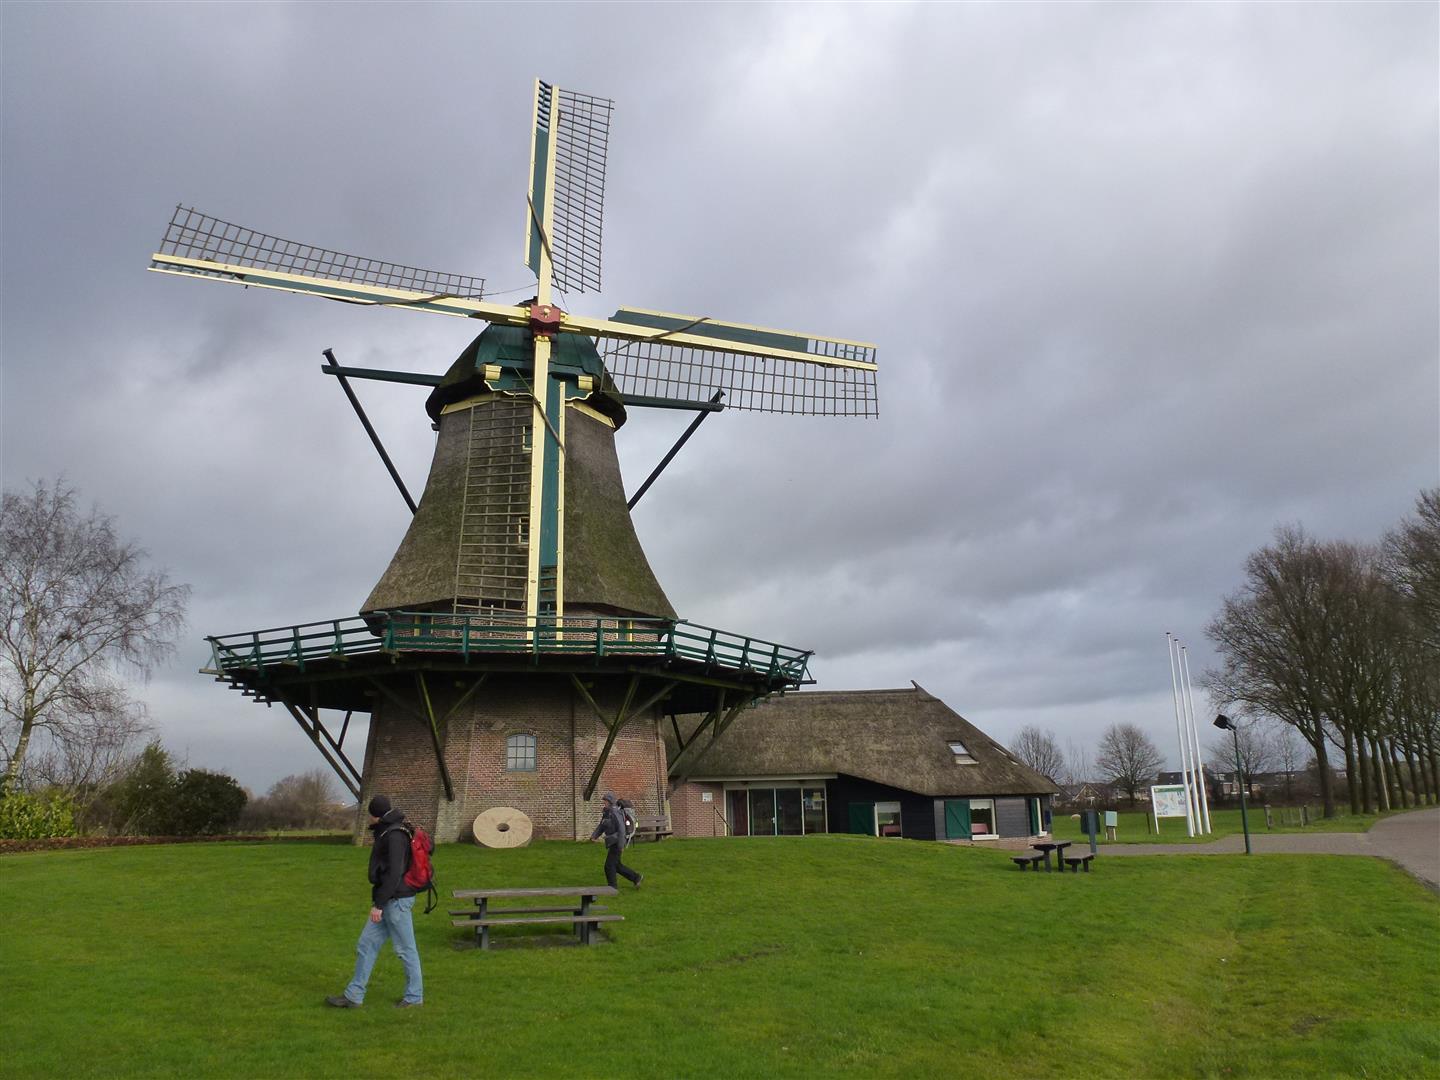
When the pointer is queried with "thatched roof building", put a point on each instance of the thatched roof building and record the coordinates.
(892, 762)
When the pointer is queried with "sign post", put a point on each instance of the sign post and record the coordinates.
(1170, 800)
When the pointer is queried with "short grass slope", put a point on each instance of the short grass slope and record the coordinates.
(791, 956)
(1137, 827)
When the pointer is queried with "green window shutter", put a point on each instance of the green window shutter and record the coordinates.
(957, 819)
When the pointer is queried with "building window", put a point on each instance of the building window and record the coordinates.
(520, 753)
(962, 756)
(982, 817)
(887, 819)
(815, 810)
(791, 810)
(762, 812)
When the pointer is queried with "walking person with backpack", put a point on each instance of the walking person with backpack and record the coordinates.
(612, 827)
(399, 868)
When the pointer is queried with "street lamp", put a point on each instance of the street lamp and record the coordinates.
(1224, 723)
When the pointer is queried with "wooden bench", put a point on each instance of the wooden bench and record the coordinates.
(581, 914)
(1029, 858)
(654, 828)
(1076, 861)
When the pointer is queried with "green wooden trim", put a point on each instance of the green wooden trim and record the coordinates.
(412, 378)
(436, 633)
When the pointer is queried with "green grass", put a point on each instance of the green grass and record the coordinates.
(1133, 828)
(791, 956)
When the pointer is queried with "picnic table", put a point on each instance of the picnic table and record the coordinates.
(1057, 846)
(581, 911)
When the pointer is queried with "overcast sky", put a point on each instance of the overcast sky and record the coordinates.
(1146, 280)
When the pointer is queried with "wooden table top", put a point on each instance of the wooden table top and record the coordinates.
(501, 894)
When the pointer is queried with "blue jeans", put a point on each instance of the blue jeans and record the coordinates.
(395, 926)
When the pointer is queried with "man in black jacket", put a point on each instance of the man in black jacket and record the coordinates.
(391, 901)
(612, 826)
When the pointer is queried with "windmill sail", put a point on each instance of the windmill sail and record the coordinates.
(759, 369)
(567, 168)
(204, 246)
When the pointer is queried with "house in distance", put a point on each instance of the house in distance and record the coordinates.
(873, 762)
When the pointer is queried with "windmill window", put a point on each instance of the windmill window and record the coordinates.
(962, 756)
(520, 753)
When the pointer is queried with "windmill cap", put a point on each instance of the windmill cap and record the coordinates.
(511, 347)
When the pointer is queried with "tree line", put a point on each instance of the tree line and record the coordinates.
(1331, 651)
(1340, 641)
(80, 609)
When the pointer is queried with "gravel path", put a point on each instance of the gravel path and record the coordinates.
(1412, 840)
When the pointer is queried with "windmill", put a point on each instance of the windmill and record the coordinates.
(521, 565)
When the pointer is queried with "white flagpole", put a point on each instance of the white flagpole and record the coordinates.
(1192, 785)
(1195, 735)
(1180, 736)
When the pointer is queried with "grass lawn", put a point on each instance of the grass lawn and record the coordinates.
(787, 956)
(1133, 828)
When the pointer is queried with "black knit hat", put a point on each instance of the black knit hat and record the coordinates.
(608, 796)
(379, 806)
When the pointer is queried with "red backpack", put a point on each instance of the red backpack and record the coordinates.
(420, 873)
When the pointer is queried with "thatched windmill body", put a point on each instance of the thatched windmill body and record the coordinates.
(518, 649)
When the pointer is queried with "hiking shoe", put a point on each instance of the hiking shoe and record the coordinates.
(342, 1002)
(639, 878)
(403, 1004)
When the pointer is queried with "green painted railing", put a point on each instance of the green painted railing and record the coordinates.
(473, 635)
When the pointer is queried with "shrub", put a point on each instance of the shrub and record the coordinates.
(140, 801)
(36, 817)
(205, 803)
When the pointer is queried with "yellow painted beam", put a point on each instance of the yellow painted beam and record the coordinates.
(538, 435)
(705, 321)
(580, 324)
(463, 307)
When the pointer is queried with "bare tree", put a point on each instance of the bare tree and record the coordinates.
(1127, 758)
(77, 609)
(1289, 755)
(1039, 750)
(86, 760)
(1257, 752)
(1412, 561)
(301, 801)
(1274, 643)
(1077, 763)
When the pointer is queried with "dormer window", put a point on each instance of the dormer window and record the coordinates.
(962, 756)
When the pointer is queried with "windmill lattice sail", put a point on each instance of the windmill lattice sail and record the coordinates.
(837, 380)
(580, 128)
(197, 236)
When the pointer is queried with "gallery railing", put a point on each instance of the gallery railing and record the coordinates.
(475, 636)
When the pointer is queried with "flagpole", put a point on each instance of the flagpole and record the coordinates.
(1180, 736)
(1195, 735)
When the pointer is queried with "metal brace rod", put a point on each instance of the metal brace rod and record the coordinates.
(333, 368)
(680, 442)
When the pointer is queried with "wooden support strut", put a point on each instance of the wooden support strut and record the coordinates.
(427, 717)
(314, 729)
(679, 775)
(621, 717)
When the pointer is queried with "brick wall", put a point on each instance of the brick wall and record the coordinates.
(400, 756)
(691, 815)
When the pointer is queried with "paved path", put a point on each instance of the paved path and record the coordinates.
(1412, 840)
